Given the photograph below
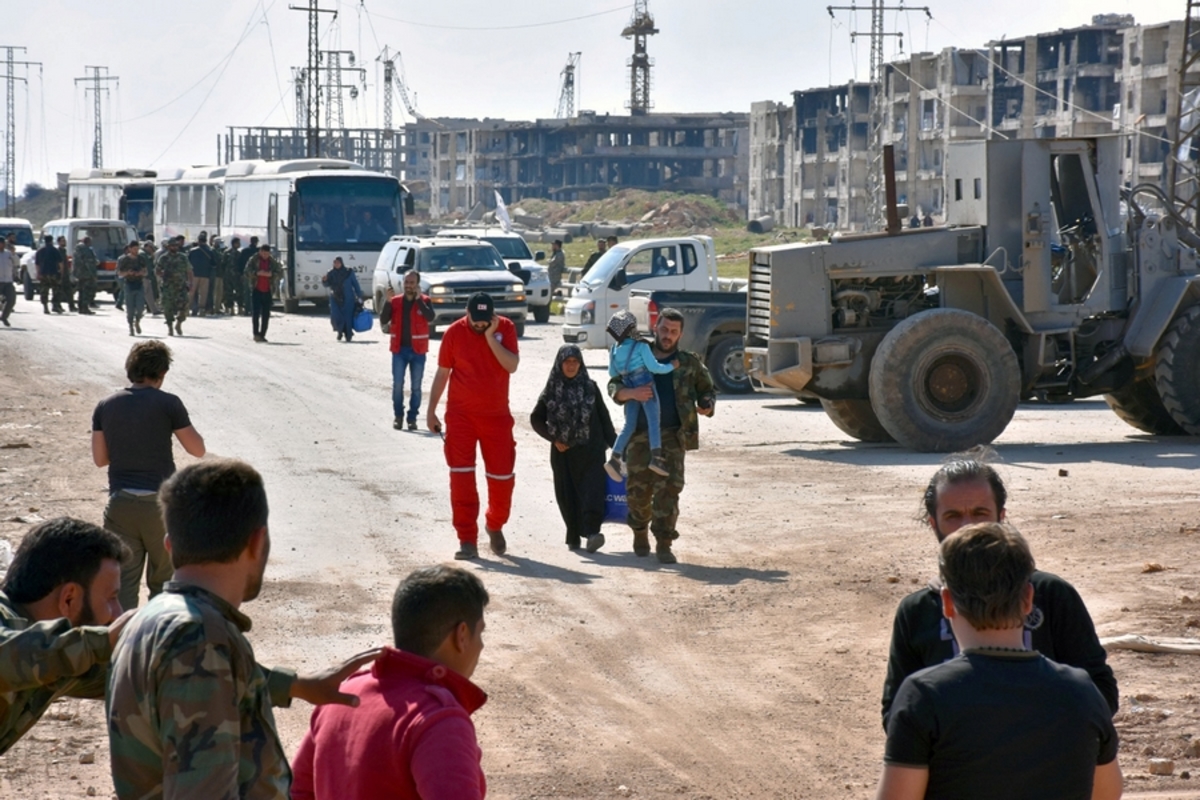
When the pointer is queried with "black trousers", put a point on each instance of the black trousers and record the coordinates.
(579, 486)
(260, 308)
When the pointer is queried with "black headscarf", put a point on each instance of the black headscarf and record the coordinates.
(570, 402)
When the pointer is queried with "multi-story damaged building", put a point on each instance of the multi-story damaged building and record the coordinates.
(1110, 77)
(455, 164)
(589, 156)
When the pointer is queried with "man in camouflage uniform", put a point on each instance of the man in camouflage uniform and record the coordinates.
(147, 258)
(189, 709)
(174, 277)
(64, 274)
(86, 267)
(59, 592)
(683, 393)
(220, 266)
(233, 276)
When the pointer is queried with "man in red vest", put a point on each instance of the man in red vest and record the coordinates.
(477, 355)
(409, 315)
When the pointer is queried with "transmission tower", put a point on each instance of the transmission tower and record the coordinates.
(566, 96)
(10, 126)
(98, 84)
(1182, 186)
(875, 172)
(389, 80)
(312, 88)
(299, 81)
(640, 26)
(334, 116)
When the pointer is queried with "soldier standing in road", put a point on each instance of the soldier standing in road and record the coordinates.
(49, 261)
(85, 267)
(68, 286)
(189, 708)
(8, 272)
(220, 265)
(477, 356)
(132, 273)
(146, 255)
(201, 258)
(248, 277)
(233, 277)
(687, 391)
(174, 276)
(557, 266)
(266, 272)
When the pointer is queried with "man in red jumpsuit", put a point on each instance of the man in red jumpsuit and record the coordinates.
(477, 355)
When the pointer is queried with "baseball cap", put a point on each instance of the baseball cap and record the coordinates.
(480, 307)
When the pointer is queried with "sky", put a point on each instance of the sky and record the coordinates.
(188, 70)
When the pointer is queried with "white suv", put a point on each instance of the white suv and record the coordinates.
(516, 255)
(452, 269)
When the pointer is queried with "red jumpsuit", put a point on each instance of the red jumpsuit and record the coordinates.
(477, 415)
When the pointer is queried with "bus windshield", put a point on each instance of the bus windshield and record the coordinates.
(341, 212)
(24, 234)
(509, 246)
(459, 258)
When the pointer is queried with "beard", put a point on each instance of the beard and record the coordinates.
(87, 615)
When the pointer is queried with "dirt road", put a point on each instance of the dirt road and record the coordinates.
(751, 669)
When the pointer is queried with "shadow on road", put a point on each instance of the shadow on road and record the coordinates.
(529, 568)
(715, 576)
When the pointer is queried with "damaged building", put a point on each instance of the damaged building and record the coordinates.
(1112, 76)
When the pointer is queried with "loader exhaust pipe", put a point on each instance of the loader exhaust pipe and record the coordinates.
(894, 224)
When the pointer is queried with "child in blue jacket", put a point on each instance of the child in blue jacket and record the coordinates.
(632, 360)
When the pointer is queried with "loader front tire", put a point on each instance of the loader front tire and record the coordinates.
(944, 380)
(1177, 372)
(856, 418)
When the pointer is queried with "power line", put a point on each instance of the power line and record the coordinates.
(504, 27)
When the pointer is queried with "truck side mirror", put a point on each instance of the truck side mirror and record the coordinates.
(540, 255)
(618, 281)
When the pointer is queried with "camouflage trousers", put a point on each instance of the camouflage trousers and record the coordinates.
(87, 292)
(174, 301)
(654, 499)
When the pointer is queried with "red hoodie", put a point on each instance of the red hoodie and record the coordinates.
(411, 737)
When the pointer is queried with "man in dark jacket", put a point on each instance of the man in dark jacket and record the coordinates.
(203, 262)
(964, 492)
(49, 269)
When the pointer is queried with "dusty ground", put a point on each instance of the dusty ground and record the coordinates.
(752, 669)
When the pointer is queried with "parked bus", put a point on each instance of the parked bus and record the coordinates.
(121, 194)
(310, 211)
(187, 201)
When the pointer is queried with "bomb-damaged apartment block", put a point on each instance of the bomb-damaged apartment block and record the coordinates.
(809, 160)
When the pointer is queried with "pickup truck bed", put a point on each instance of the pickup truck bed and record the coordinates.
(714, 327)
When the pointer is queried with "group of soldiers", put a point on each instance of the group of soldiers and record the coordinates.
(61, 278)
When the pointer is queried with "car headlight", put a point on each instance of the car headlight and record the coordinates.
(519, 288)
(439, 290)
(588, 315)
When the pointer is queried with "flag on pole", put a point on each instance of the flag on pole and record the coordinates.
(502, 214)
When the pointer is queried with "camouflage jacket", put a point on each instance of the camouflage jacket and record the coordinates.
(147, 261)
(189, 710)
(693, 383)
(85, 263)
(252, 272)
(127, 264)
(174, 269)
(42, 661)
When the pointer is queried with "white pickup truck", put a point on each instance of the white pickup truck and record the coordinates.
(687, 263)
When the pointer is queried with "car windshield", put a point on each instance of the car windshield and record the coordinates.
(459, 258)
(108, 241)
(24, 235)
(509, 246)
(612, 256)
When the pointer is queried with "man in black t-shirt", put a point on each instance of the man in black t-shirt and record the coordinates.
(998, 720)
(962, 492)
(131, 435)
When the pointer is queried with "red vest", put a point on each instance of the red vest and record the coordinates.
(418, 326)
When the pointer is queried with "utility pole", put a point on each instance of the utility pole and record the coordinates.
(1182, 187)
(98, 84)
(875, 177)
(640, 26)
(10, 129)
(566, 97)
(335, 120)
(312, 91)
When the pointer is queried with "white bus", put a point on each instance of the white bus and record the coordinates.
(187, 201)
(121, 194)
(312, 210)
